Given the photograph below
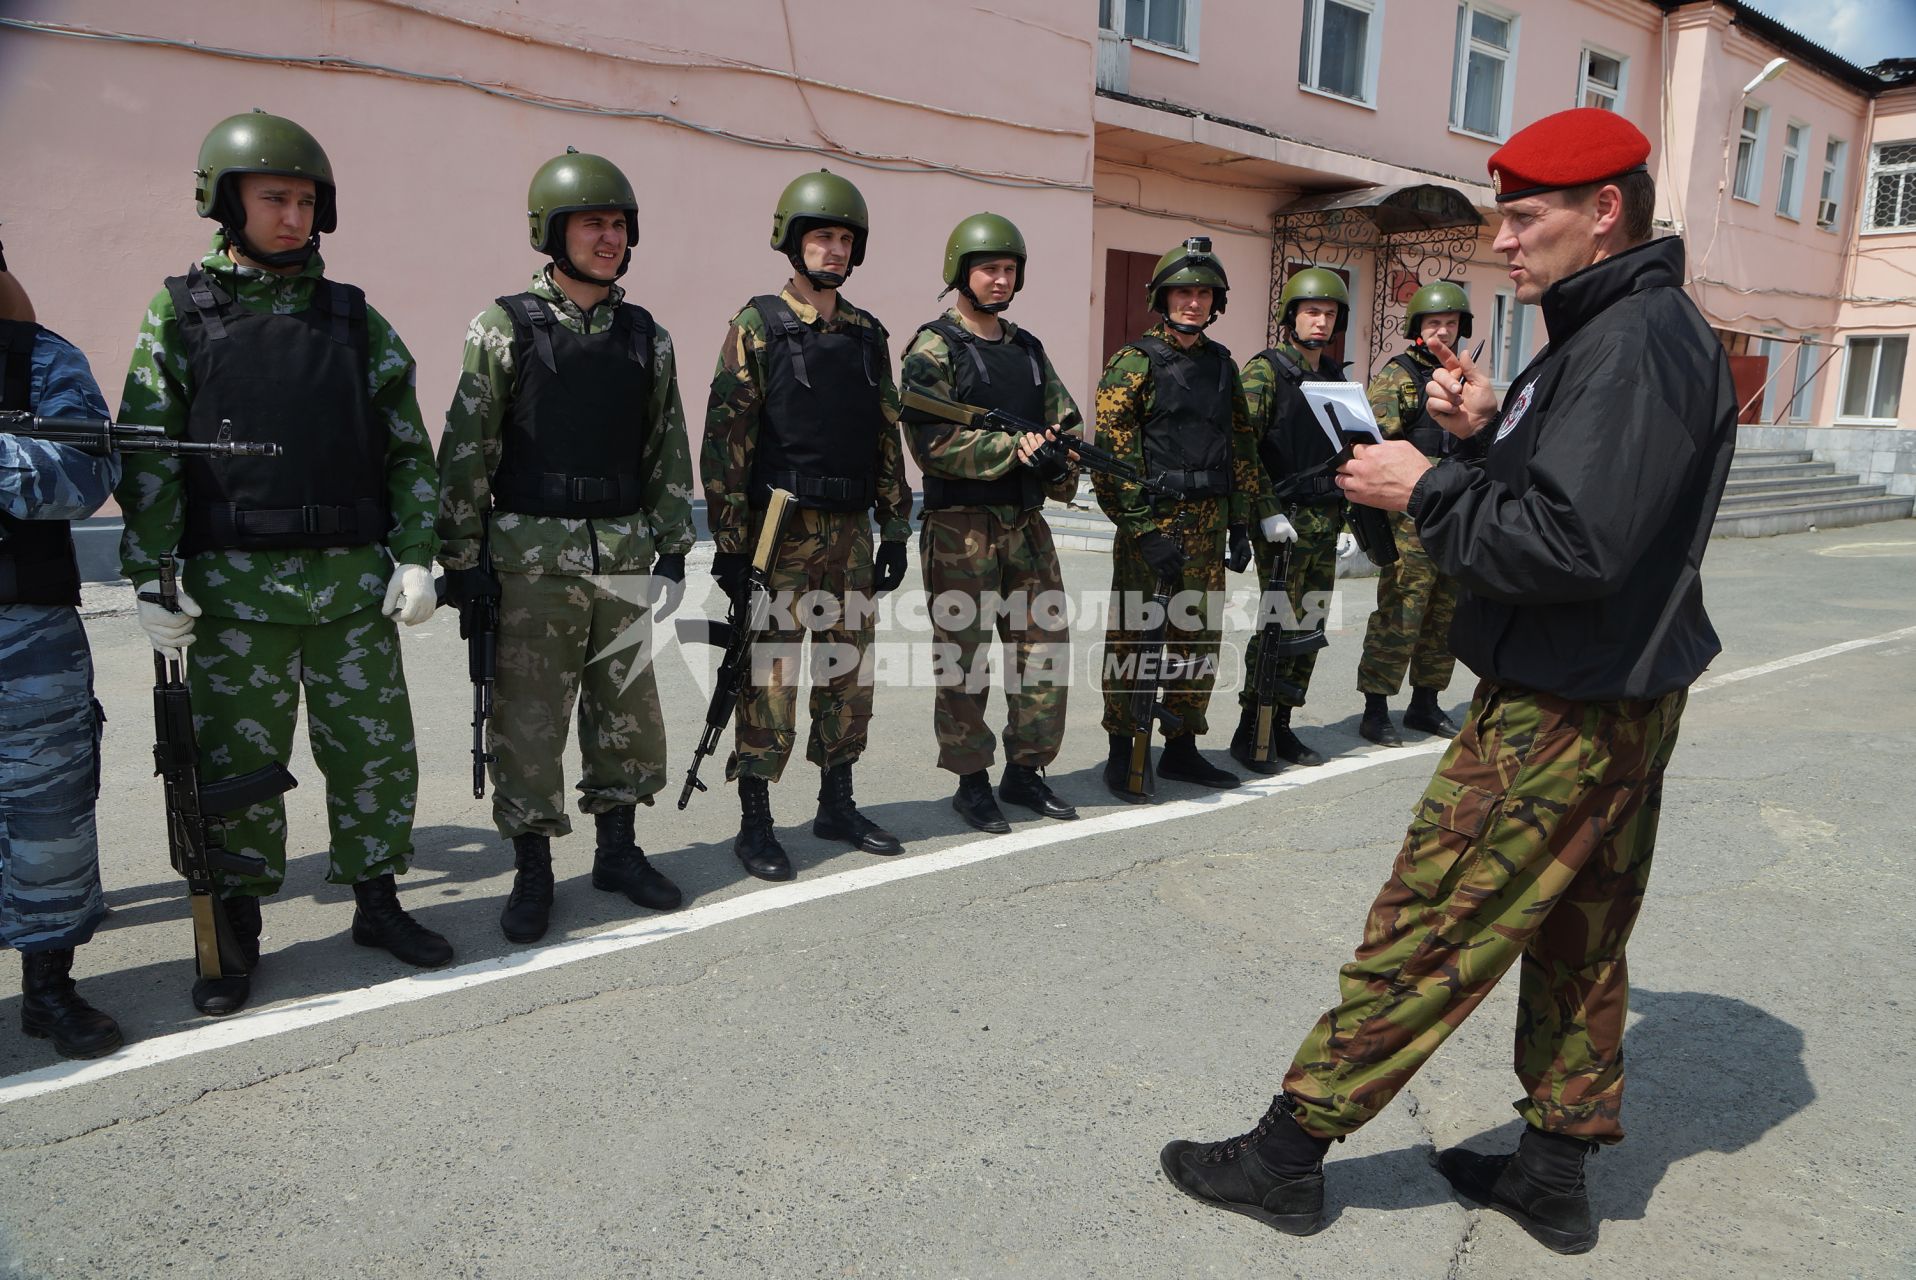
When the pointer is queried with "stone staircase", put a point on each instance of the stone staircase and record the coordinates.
(1787, 491)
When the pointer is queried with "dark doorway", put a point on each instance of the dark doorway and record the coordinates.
(1127, 313)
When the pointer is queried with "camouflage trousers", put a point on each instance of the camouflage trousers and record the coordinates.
(1188, 696)
(246, 678)
(1533, 840)
(560, 639)
(1410, 628)
(49, 780)
(821, 585)
(1001, 567)
(1313, 570)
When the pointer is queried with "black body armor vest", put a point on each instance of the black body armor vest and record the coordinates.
(822, 417)
(992, 375)
(574, 442)
(1293, 441)
(1417, 426)
(1188, 434)
(37, 564)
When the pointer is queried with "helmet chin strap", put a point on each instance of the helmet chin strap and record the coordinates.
(1313, 344)
(273, 261)
(1181, 327)
(989, 308)
(817, 279)
(564, 263)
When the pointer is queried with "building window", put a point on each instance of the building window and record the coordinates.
(1338, 55)
(1789, 191)
(1512, 326)
(1892, 186)
(1873, 377)
(1830, 194)
(1600, 80)
(1803, 379)
(1749, 155)
(1162, 22)
(1481, 75)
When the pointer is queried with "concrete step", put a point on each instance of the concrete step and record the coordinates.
(1741, 470)
(1776, 484)
(1757, 457)
(1805, 495)
(1760, 522)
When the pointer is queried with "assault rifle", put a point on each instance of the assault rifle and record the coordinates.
(1371, 526)
(1275, 643)
(101, 436)
(195, 831)
(479, 628)
(744, 620)
(1154, 668)
(1090, 456)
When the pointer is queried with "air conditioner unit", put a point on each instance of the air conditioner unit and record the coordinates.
(1826, 213)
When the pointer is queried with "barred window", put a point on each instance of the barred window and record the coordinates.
(1892, 186)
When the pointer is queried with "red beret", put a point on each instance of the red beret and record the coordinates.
(1568, 149)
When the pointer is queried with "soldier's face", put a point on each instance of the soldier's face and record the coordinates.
(1546, 238)
(1440, 327)
(1313, 321)
(1189, 303)
(993, 280)
(595, 241)
(827, 249)
(278, 210)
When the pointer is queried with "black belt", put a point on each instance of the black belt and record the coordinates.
(1215, 483)
(861, 489)
(227, 524)
(555, 488)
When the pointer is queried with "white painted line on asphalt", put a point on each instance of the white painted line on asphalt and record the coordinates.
(332, 1006)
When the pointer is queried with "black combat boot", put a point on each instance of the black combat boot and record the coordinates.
(1286, 744)
(379, 921)
(528, 907)
(1244, 745)
(1540, 1185)
(228, 994)
(1181, 762)
(757, 848)
(1376, 726)
(619, 865)
(839, 819)
(1022, 784)
(51, 1008)
(1426, 716)
(974, 803)
(1117, 771)
(1274, 1173)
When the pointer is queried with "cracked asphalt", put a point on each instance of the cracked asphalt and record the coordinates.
(969, 1073)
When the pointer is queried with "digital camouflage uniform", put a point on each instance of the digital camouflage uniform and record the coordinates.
(572, 589)
(1410, 628)
(985, 552)
(824, 551)
(1125, 400)
(282, 620)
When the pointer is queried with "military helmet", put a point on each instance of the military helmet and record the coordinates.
(1435, 299)
(982, 235)
(573, 183)
(260, 143)
(819, 199)
(1191, 263)
(1315, 284)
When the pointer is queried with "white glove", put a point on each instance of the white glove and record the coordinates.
(1277, 528)
(409, 596)
(1346, 543)
(167, 630)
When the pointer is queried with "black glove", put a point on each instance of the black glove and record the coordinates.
(1238, 557)
(465, 587)
(1162, 553)
(1052, 462)
(888, 567)
(728, 570)
(667, 586)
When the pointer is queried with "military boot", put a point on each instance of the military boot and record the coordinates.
(1376, 726)
(1426, 716)
(1286, 744)
(839, 819)
(51, 1008)
(528, 907)
(1540, 1185)
(757, 847)
(1274, 1173)
(379, 921)
(1244, 745)
(974, 803)
(228, 994)
(1022, 784)
(1181, 761)
(619, 865)
(1117, 771)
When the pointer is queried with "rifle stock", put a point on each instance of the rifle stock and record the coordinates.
(1275, 643)
(1089, 456)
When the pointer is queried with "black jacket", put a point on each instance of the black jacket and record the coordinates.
(1576, 521)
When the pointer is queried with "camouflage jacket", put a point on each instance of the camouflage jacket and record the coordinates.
(303, 586)
(470, 450)
(1394, 393)
(1266, 391)
(965, 453)
(731, 427)
(1125, 400)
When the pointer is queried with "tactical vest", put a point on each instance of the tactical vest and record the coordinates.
(301, 381)
(37, 563)
(1187, 436)
(1293, 441)
(1415, 425)
(822, 416)
(992, 375)
(574, 441)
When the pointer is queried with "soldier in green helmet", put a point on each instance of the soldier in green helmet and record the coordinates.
(803, 400)
(984, 545)
(1409, 631)
(1169, 403)
(566, 486)
(298, 565)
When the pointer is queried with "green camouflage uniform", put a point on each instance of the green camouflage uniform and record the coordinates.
(278, 621)
(1410, 628)
(1125, 400)
(987, 553)
(570, 588)
(822, 551)
(1534, 839)
(1313, 568)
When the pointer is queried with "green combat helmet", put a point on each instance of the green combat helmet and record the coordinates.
(821, 199)
(1435, 299)
(573, 183)
(986, 235)
(1191, 263)
(1314, 284)
(260, 143)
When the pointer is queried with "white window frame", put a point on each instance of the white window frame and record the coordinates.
(1831, 187)
(1789, 194)
(1465, 43)
(1771, 348)
(1584, 87)
(1757, 148)
(1875, 372)
(1188, 51)
(1869, 189)
(1510, 318)
(1312, 53)
(1803, 379)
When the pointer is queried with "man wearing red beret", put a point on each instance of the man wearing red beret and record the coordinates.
(1574, 516)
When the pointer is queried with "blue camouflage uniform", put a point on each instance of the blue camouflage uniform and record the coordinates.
(49, 720)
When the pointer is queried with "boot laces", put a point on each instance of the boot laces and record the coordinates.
(1232, 1148)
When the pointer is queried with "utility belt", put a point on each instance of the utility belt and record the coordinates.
(227, 526)
(1313, 491)
(828, 493)
(553, 493)
(1213, 483)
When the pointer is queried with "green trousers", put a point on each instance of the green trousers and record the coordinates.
(1410, 628)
